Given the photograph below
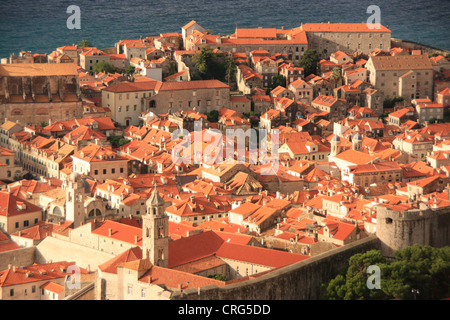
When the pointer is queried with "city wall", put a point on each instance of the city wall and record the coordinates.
(418, 46)
(18, 257)
(400, 229)
(299, 281)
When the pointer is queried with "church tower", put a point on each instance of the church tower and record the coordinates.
(76, 190)
(155, 232)
(335, 145)
(357, 142)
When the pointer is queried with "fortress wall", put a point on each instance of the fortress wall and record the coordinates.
(399, 229)
(418, 46)
(298, 281)
(19, 257)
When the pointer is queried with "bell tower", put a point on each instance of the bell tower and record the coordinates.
(155, 232)
(357, 142)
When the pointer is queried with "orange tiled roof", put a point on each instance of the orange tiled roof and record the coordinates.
(35, 272)
(341, 27)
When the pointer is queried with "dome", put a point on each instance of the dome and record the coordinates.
(155, 199)
(336, 138)
(357, 137)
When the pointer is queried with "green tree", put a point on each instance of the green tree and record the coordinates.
(43, 124)
(218, 276)
(210, 65)
(432, 120)
(309, 62)
(117, 142)
(351, 284)
(390, 103)
(213, 116)
(103, 66)
(204, 61)
(173, 68)
(85, 43)
(130, 69)
(336, 74)
(422, 268)
(278, 80)
(230, 73)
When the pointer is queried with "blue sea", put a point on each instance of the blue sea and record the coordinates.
(41, 26)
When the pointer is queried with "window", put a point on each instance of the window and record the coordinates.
(130, 290)
(33, 289)
(11, 292)
(143, 293)
(26, 223)
(113, 170)
(96, 172)
(121, 170)
(104, 171)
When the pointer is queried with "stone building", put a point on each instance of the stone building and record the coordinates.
(48, 281)
(398, 228)
(336, 108)
(17, 214)
(128, 100)
(331, 37)
(100, 163)
(155, 232)
(407, 76)
(89, 58)
(292, 42)
(73, 202)
(414, 143)
(33, 93)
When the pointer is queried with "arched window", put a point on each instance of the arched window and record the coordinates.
(57, 211)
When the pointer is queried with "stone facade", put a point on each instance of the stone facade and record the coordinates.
(408, 76)
(423, 226)
(327, 38)
(33, 95)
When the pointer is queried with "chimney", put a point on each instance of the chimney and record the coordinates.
(110, 232)
(136, 238)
